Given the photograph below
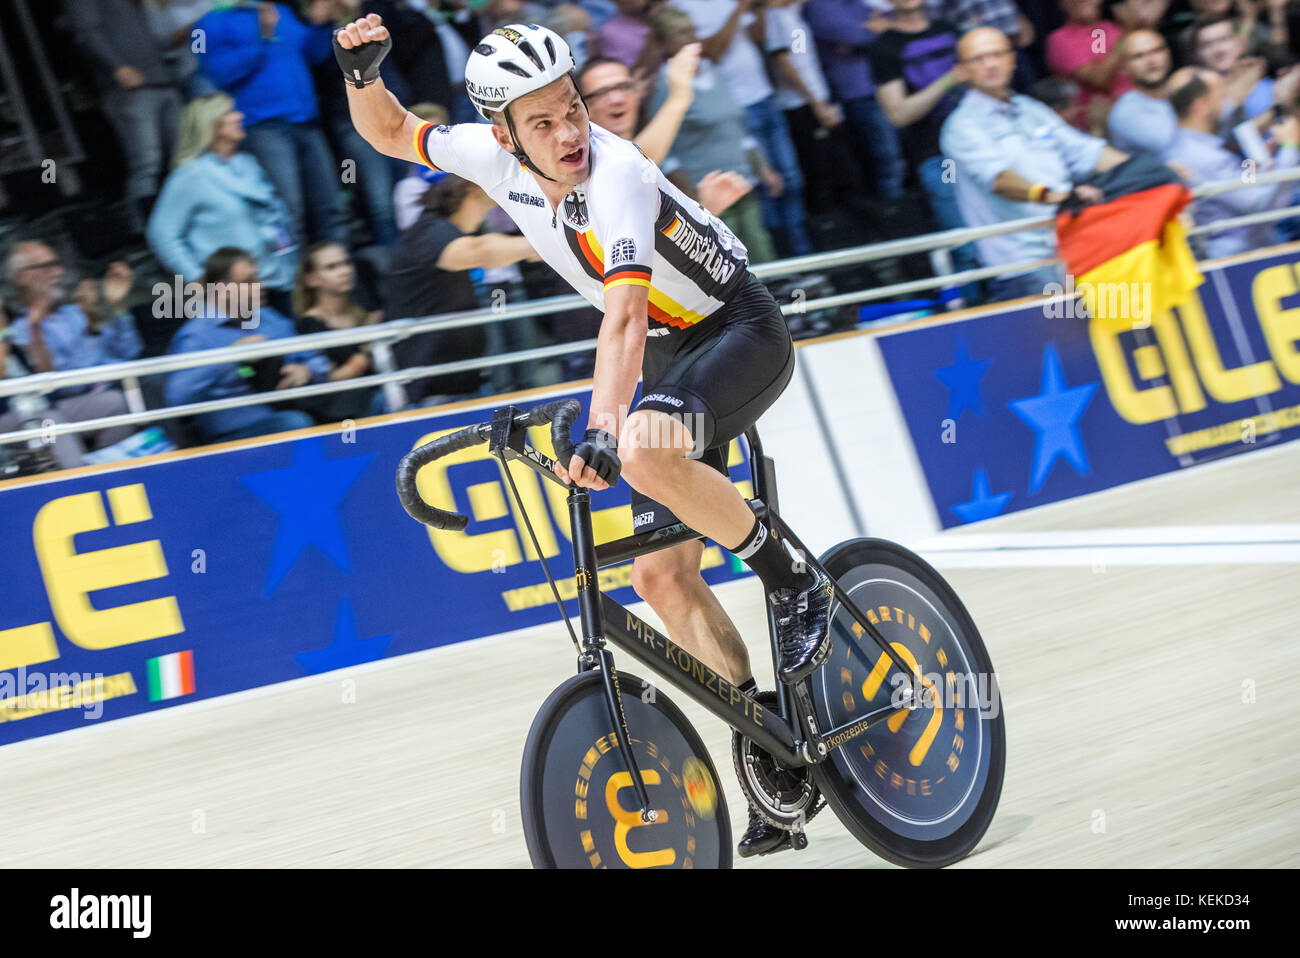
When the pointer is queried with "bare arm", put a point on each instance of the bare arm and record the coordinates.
(37, 351)
(1012, 186)
(786, 71)
(490, 251)
(1109, 159)
(620, 346)
(382, 122)
(1098, 74)
(903, 110)
(656, 139)
(715, 46)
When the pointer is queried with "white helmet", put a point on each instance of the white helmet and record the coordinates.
(512, 61)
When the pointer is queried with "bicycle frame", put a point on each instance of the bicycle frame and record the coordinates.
(604, 619)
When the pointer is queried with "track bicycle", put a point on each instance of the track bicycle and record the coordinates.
(900, 731)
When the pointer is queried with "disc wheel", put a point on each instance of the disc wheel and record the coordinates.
(577, 797)
(921, 787)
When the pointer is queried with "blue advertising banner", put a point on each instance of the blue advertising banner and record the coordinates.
(200, 573)
(1018, 407)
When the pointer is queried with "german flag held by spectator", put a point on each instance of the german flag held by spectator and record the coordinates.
(1134, 238)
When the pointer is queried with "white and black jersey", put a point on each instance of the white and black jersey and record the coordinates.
(626, 224)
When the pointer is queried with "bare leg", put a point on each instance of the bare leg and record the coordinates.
(670, 581)
(697, 494)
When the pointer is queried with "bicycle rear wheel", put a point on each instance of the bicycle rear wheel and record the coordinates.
(576, 793)
(921, 788)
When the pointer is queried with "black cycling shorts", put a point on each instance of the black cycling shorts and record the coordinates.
(718, 379)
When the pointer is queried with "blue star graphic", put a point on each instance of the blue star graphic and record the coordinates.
(1054, 415)
(347, 649)
(307, 495)
(982, 503)
(963, 381)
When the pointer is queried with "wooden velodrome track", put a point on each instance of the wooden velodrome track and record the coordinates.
(1151, 722)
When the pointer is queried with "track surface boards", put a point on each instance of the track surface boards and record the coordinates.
(1129, 739)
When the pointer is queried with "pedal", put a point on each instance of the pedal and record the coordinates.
(798, 841)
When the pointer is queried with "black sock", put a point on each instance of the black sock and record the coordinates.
(749, 687)
(771, 563)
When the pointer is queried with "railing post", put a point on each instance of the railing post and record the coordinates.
(134, 396)
(394, 394)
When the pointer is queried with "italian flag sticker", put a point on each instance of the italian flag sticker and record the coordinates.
(171, 676)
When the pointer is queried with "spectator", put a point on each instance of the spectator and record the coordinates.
(1088, 51)
(234, 307)
(737, 52)
(322, 301)
(172, 23)
(803, 96)
(1142, 119)
(613, 101)
(262, 57)
(219, 196)
(915, 64)
(1014, 158)
(1269, 39)
(48, 334)
(406, 194)
(68, 449)
(713, 137)
(139, 98)
(1001, 15)
(839, 27)
(1247, 88)
(429, 275)
(1197, 98)
(58, 335)
(627, 38)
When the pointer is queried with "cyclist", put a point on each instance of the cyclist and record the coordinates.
(680, 308)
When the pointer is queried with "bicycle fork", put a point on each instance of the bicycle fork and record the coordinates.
(594, 651)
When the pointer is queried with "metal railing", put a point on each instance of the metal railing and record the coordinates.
(382, 336)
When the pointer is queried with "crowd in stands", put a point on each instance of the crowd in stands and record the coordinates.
(806, 125)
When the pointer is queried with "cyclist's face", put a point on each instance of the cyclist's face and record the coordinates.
(613, 98)
(552, 125)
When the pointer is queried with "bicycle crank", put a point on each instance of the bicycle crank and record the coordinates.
(785, 797)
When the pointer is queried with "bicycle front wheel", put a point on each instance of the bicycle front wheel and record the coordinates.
(576, 792)
(920, 788)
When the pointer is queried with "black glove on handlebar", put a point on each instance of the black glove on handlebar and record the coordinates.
(599, 450)
(360, 65)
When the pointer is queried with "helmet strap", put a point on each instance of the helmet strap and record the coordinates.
(520, 155)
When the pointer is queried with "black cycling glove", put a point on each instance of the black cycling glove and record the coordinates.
(599, 450)
(360, 65)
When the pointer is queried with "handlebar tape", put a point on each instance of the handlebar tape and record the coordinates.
(561, 413)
